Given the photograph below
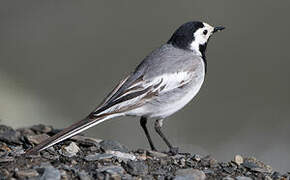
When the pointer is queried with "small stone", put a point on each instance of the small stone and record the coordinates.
(27, 173)
(243, 178)
(228, 178)
(196, 157)
(187, 174)
(276, 175)
(25, 131)
(223, 164)
(238, 159)
(4, 149)
(17, 150)
(142, 157)
(84, 175)
(63, 175)
(94, 148)
(115, 177)
(208, 171)
(113, 170)
(213, 163)
(137, 168)
(71, 150)
(147, 178)
(49, 155)
(122, 156)
(4, 173)
(182, 162)
(156, 154)
(50, 173)
(98, 156)
(37, 139)
(6, 159)
(254, 165)
(229, 170)
(126, 177)
(113, 145)
(9, 135)
(40, 128)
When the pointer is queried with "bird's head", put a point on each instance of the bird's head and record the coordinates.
(193, 36)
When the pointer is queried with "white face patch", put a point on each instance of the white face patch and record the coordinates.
(201, 37)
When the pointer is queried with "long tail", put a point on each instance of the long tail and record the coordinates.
(70, 131)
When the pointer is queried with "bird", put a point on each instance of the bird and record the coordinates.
(162, 84)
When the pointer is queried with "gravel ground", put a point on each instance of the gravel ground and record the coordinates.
(88, 158)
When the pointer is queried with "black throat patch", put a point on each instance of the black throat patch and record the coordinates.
(202, 49)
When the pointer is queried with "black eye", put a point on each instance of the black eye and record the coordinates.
(205, 32)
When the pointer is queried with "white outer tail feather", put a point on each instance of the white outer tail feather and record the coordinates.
(71, 131)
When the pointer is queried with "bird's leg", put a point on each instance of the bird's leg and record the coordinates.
(143, 122)
(158, 124)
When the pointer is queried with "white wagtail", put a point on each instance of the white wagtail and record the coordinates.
(163, 83)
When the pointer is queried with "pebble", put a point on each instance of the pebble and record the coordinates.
(238, 159)
(113, 145)
(121, 155)
(71, 150)
(137, 168)
(50, 173)
(228, 178)
(40, 128)
(113, 170)
(63, 175)
(255, 165)
(115, 177)
(229, 170)
(26, 173)
(25, 131)
(17, 150)
(4, 174)
(213, 163)
(9, 135)
(98, 156)
(126, 177)
(189, 174)
(37, 139)
(6, 159)
(196, 157)
(156, 154)
(84, 175)
(4, 149)
(276, 175)
(243, 178)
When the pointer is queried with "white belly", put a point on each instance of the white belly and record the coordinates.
(168, 103)
(175, 101)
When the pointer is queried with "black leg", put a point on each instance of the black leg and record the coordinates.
(158, 124)
(143, 122)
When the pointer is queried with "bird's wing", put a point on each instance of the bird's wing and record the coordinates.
(130, 94)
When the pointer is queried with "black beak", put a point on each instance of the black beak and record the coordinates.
(217, 29)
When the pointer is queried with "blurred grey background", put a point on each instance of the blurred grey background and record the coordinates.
(58, 59)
